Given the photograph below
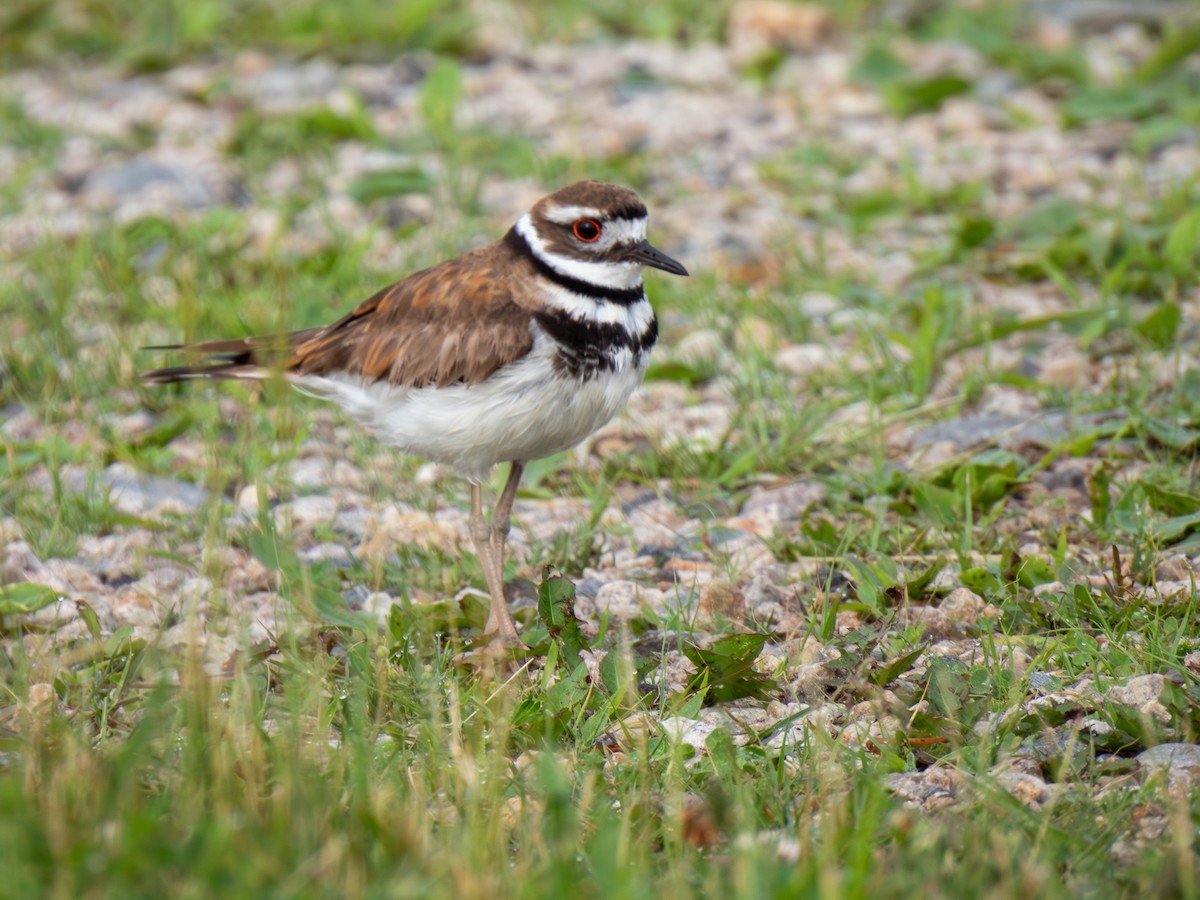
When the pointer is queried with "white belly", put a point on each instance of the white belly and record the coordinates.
(522, 412)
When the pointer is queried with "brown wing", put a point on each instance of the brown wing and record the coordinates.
(455, 322)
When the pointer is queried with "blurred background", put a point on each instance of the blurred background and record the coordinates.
(919, 438)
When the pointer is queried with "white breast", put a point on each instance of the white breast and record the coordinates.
(524, 411)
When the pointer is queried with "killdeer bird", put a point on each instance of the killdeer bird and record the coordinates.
(509, 353)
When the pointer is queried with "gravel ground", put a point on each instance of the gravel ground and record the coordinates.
(713, 140)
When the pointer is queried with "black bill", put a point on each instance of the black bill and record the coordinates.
(648, 256)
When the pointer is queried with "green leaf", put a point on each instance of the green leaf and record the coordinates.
(923, 95)
(1176, 527)
(556, 608)
(949, 685)
(1190, 385)
(1176, 435)
(695, 702)
(740, 649)
(938, 503)
(1173, 503)
(332, 609)
(915, 587)
(727, 666)
(1033, 571)
(89, 618)
(981, 580)
(440, 94)
(748, 461)
(897, 667)
(265, 545)
(1183, 243)
(872, 580)
(1125, 102)
(338, 126)
(878, 66)
(973, 231)
(1177, 46)
(25, 597)
(389, 183)
(723, 753)
(1051, 218)
(1161, 326)
(568, 693)
(610, 671)
(681, 372)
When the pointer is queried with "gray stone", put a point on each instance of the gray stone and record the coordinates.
(188, 187)
(328, 552)
(1046, 428)
(622, 600)
(789, 501)
(1181, 762)
(137, 494)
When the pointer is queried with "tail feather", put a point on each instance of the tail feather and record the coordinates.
(224, 371)
(231, 360)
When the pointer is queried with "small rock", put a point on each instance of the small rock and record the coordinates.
(57, 614)
(964, 607)
(819, 305)
(305, 513)
(1062, 367)
(654, 521)
(624, 600)
(674, 673)
(1142, 693)
(247, 498)
(1028, 788)
(757, 27)
(1181, 762)
(401, 526)
(327, 552)
(18, 563)
(806, 359)
(136, 494)
(379, 604)
(1044, 682)
(787, 502)
(137, 608)
(181, 185)
(931, 790)
(754, 334)
(720, 599)
(687, 731)
(768, 600)
(36, 711)
(1173, 569)
(704, 347)
(938, 626)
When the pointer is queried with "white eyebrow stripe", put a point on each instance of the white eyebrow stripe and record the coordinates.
(565, 215)
(624, 231)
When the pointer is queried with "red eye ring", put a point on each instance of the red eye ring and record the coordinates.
(587, 230)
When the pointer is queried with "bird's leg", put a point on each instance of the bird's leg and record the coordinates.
(501, 515)
(500, 623)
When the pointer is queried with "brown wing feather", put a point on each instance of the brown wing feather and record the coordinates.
(456, 322)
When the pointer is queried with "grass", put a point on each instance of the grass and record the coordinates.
(325, 752)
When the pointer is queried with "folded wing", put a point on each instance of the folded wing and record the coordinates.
(454, 323)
